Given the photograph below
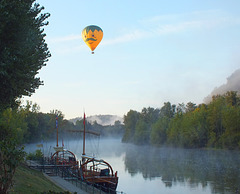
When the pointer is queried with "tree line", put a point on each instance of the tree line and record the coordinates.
(215, 125)
(31, 125)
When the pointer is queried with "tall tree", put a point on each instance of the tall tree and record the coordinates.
(190, 107)
(23, 51)
(150, 115)
(12, 128)
(142, 133)
(215, 118)
(158, 134)
(231, 122)
(130, 121)
(167, 110)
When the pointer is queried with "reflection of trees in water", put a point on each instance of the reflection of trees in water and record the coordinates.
(217, 168)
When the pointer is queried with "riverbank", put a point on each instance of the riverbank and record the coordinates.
(30, 181)
(65, 185)
(27, 180)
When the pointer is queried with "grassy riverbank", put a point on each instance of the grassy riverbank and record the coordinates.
(32, 181)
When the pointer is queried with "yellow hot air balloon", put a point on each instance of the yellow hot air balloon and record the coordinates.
(92, 36)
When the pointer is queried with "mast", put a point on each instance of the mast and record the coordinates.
(57, 135)
(84, 132)
(57, 127)
(84, 136)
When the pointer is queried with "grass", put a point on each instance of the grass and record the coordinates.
(27, 180)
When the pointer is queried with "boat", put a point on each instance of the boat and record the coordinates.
(91, 170)
(97, 172)
(63, 156)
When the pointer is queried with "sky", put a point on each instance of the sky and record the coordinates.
(152, 52)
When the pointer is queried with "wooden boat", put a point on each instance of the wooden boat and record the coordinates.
(63, 156)
(97, 172)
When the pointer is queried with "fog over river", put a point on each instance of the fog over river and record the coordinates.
(146, 169)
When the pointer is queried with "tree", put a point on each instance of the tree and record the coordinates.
(215, 118)
(23, 51)
(158, 134)
(181, 108)
(231, 98)
(167, 110)
(150, 115)
(130, 121)
(174, 129)
(12, 128)
(12, 125)
(142, 133)
(31, 118)
(231, 122)
(10, 157)
(193, 130)
(190, 107)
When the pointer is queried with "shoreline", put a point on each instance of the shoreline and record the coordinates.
(65, 185)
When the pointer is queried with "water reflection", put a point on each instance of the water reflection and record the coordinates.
(215, 168)
(145, 169)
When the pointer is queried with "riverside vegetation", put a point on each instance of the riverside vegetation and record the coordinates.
(214, 125)
(23, 52)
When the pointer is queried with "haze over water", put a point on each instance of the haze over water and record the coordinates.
(145, 169)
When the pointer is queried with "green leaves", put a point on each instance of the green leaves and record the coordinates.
(158, 134)
(191, 126)
(10, 157)
(130, 121)
(23, 51)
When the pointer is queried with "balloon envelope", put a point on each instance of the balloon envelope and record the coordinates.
(92, 36)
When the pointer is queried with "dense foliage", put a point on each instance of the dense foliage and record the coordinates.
(26, 124)
(216, 124)
(31, 125)
(23, 51)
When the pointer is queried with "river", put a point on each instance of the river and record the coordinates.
(146, 169)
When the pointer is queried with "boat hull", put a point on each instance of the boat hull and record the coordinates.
(107, 184)
(102, 178)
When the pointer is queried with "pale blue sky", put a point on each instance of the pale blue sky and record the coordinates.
(152, 52)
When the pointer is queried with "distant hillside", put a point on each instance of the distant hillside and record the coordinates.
(233, 84)
(100, 119)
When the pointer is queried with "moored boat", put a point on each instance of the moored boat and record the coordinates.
(93, 171)
(63, 156)
(97, 172)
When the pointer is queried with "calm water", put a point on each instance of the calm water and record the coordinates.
(144, 169)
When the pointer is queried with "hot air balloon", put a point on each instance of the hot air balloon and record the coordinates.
(92, 36)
